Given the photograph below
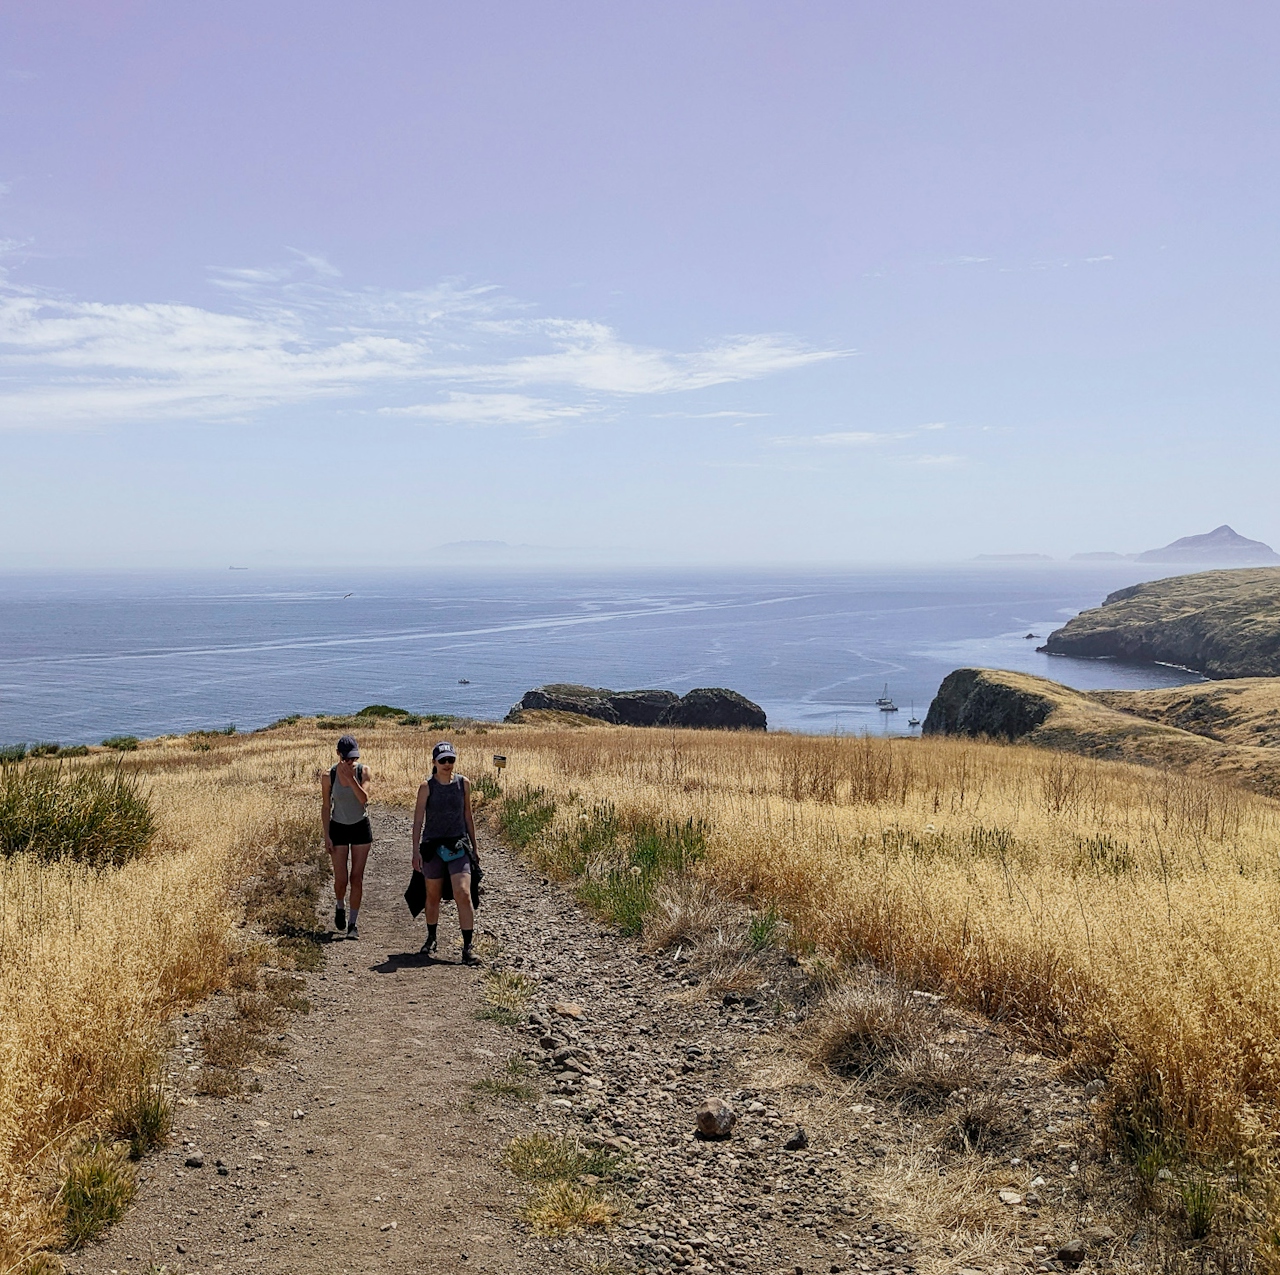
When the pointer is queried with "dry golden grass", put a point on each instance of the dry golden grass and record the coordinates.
(1124, 916)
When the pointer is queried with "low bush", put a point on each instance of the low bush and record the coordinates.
(94, 815)
(382, 710)
(45, 749)
(13, 752)
(863, 1028)
(121, 743)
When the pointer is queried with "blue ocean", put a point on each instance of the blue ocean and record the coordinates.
(86, 656)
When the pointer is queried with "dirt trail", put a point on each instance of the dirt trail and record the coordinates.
(385, 1170)
(368, 1149)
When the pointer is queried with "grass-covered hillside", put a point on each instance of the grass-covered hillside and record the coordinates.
(1220, 623)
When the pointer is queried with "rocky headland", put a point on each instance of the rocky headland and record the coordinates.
(1227, 729)
(704, 708)
(1224, 624)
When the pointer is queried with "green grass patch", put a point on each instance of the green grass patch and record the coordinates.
(621, 890)
(12, 753)
(121, 743)
(95, 815)
(525, 816)
(382, 710)
(512, 1083)
(97, 1189)
(540, 1157)
(142, 1113)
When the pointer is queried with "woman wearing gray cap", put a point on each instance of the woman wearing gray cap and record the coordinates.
(444, 839)
(343, 806)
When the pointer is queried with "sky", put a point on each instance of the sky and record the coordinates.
(693, 282)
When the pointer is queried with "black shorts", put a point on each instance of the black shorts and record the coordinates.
(350, 834)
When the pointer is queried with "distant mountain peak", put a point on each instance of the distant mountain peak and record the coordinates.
(1222, 544)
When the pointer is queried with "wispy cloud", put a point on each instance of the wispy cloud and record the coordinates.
(462, 408)
(296, 334)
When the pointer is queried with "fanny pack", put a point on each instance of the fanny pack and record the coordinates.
(449, 851)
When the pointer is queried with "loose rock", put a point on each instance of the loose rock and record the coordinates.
(715, 1118)
(797, 1141)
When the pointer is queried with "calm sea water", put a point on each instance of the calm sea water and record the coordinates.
(82, 657)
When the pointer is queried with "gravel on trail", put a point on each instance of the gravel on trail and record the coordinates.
(370, 1148)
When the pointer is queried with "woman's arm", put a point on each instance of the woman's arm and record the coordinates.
(470, 818)
(347, 775)
(419, 814)
(325, 807)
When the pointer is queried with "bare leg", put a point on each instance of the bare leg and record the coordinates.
(462, 897)
(433, 900)
(338, 857)
(359, 857)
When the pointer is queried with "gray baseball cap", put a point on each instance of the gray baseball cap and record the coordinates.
(348, 749)
(443, 749)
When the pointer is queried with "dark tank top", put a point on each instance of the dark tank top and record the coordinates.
(445, 818)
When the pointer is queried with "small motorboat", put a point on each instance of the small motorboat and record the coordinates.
(464, 681)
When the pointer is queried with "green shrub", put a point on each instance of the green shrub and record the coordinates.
(382, 710)
(13, 752)
(45, 749)
(121, 743)
(75, 750)
(95, 815)
(291, 720)
(98, 1188)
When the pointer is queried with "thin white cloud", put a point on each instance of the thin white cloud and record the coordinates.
(841, 438)
(462, 408)
(292, 335)
(936, 461)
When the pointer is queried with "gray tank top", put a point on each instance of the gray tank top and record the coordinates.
(445, 815)
(344, 805)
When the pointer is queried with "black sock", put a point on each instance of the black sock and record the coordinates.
(466, 938)
(431, 933)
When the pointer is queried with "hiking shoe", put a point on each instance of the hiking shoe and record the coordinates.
(339, 917)
(353, 931)
(468, 956)
(428, 947)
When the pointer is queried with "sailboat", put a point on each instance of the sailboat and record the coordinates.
(884, 697)
(913, 720)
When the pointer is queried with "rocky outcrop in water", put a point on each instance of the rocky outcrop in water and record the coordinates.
(706, 708)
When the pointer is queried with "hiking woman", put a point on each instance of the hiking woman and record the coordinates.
(343, 805)
(444, 840)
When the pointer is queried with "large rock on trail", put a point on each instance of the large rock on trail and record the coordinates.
(715, 708)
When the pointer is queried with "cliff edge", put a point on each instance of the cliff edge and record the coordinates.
(1220, 623)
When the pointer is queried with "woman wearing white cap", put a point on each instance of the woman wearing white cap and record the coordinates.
(444, 839)
(344, 798)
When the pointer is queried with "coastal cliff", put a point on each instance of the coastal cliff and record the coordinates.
(1224, 624)
(704, 708)
(1227, 730)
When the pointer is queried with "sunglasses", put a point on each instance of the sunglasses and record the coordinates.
(445, 761)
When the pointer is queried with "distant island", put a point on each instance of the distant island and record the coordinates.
(1013, 557)
(1224, 624)
(1221, 547)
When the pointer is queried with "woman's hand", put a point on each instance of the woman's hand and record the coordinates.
(417, 861)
